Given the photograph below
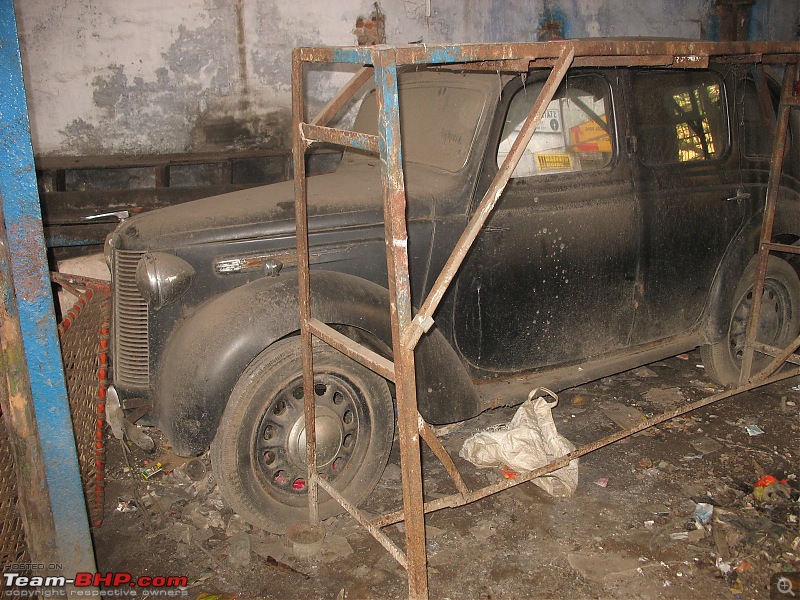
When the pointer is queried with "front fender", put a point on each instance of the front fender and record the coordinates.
(206, 354)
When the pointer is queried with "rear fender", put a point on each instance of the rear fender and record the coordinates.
(206, 354)
(741, 251)
(739, 254)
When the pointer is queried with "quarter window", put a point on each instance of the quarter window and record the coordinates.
(575, 133)
(681, 117)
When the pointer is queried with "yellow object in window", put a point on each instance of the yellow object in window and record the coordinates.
(553, 162)
(589, 136)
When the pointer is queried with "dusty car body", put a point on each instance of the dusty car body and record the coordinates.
(626, 234)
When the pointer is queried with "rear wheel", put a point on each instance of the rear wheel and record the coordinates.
(259, 452)
(778, 326)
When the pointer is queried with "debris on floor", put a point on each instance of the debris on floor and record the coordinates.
(667, 397)
(699, 509)
(530, 440)
(624, 416)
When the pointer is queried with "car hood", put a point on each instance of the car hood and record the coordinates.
(353, 195)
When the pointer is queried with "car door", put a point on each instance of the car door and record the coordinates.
(686, 179)
(550, 278)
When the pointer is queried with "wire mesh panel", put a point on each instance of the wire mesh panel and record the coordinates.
(13, 548)
(84, 335)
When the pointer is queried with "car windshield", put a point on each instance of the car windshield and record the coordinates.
(438, 122)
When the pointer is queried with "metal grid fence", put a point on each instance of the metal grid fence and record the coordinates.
(13, 547)
(84, 335)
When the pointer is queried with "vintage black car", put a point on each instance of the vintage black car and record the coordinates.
(626, 235)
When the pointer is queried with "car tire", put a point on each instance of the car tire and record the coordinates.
(258, 453)
(779, 324)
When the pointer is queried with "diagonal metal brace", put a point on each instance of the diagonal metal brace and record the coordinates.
(429, 435)
(484, 210)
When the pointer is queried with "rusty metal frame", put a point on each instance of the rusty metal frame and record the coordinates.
(381, 64)
(788, 101)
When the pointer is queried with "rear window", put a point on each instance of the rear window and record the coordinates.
(438, 123)
(575, 133)
(681, 117)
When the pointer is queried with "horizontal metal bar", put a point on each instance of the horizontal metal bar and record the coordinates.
(772, 247)
(128, 161)
(359, 353)
(592, 47)
(776, 352)
(66, 279)
(340, 137)
(780, 358)
(456, 500)
(381, 537)
(523, 64)
(780, 59)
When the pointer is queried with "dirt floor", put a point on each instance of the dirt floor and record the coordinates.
(629, 531)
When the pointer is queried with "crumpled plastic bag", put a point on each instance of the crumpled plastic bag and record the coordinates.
(528, 442)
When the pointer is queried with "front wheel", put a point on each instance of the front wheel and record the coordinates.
(259, 452)
(779, 324)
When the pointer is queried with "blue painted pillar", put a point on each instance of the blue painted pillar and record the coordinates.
(31, 284)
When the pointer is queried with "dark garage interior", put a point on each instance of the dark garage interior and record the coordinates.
(419, 298)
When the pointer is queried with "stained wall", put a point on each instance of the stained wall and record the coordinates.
(141, 77)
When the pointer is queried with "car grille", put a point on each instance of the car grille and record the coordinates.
(131, 350)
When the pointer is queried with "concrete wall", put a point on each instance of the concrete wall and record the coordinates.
(105, 76)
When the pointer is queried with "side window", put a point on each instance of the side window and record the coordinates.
(756, 127)
(575, 133)
(680, 115)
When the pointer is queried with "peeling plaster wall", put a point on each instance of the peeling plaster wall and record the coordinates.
(109, 77)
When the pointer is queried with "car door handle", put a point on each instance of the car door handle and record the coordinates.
(739, 197)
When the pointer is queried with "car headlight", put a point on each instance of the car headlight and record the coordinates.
(163, 278)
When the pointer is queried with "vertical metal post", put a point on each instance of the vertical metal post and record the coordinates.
(773, 185)
(400, 302)
(42, 356)
(304, 279)
(17, 405)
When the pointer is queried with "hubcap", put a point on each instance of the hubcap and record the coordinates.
(279, 447)
(330, 435)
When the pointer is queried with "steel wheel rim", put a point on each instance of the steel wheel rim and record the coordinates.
(279, 444)
(773, 321)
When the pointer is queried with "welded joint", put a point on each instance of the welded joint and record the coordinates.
(425, 322)
(301, 135)
(420, 325)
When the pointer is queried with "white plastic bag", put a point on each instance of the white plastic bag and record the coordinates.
(529, 441)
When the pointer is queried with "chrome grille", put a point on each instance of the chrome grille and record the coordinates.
(131, 350)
